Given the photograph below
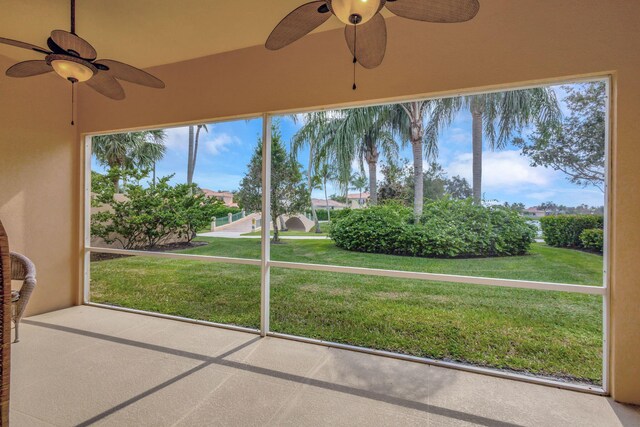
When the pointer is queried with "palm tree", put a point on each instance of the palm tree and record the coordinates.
(129, 150)
(497, 116)
(408, 120)
(311, 135)
(326, 173)
(359, 182)
(362, 134)
(356, 135)
(194, 137)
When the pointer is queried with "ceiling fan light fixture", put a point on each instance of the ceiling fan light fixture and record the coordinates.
(355, 12)
(72, 70)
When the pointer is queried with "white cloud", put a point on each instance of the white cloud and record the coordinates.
(220, 143)
(459, 136)
(177, 138)
(178, 141)
(502, 170)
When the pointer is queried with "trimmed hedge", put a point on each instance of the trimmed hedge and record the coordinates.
(565, 230)
(593, 239)
(447, 229)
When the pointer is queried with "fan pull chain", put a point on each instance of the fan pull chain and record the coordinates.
(73, 86)
(355, 58)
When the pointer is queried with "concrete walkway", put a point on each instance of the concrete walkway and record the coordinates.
(239, 235)
(242, 225)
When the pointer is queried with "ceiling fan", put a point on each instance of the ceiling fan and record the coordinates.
(366, 31)
(74, 59)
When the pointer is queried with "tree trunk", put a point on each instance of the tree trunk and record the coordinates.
(154, 174)
(372, 157)
(276, 234)
(373, 184)
(418, 180)
(476, 114)
(310, 182)
(417, 136)
(190, 155)
(326, 200)
(116, 184)
(195, 153)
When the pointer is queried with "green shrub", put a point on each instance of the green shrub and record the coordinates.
(448, 228)
(150, 216)
(340, 213)
(565, 230)
(372, 230)
(593, 239)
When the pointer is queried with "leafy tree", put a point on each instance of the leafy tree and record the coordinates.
(517, 206)
(435, 182)
(288, 191)
(194, 138)
(458, 188)
(132, 150)
(338, 198)
(398, 184)
(497, 116)
(576, 146)
(393, 188)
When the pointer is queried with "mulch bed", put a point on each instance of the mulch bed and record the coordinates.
(163, 248)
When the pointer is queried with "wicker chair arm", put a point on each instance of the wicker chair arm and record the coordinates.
(23, 269)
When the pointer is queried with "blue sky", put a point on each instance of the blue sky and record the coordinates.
(227, 148)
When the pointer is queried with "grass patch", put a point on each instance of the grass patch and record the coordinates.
(544, 333)
(311, 233)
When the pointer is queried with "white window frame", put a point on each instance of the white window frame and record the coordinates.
(265, 263)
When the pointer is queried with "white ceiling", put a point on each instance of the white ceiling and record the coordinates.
(145, 33)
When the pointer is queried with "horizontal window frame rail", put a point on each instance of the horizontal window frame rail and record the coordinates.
(362, 271)
(172, 255)
(449, 278)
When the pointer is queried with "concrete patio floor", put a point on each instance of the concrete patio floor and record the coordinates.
(88, 365)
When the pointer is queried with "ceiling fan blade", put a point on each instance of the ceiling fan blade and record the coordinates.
(73, 45)
(29, 68)
(370, 41)
(297, 24)
(23, 45)
(106, 85)
(126, 72)
(443, 11)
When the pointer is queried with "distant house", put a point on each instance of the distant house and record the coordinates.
(224, 196)
(534, 212)
(358, 200)
(322, 204)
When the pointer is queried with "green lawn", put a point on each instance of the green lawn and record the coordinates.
(545, 333)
